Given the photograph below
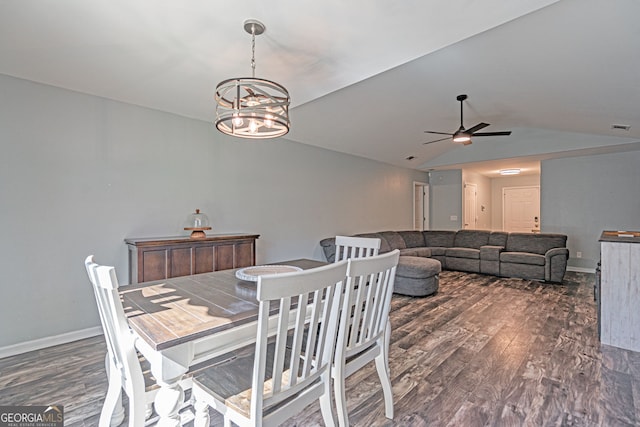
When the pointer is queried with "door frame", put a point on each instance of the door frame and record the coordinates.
(466, 201)
(422, 207)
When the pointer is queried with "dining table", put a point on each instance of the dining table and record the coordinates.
(186, 321)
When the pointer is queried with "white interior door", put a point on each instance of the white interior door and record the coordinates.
(420, 206)
(521, 209)
(470, 208)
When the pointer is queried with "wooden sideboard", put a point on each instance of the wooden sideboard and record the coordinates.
(619, 293)
(165, 257)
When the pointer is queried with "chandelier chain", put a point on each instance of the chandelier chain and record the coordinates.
(253, 51)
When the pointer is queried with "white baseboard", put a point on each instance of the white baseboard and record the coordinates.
(581, 269)
(40, 343)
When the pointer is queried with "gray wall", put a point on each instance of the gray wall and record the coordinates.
(445, 199)
(80, 173)
(582, 196)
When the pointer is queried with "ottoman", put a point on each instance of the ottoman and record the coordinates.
(417, 276)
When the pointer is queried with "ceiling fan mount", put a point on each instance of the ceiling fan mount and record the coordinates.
(462, 135)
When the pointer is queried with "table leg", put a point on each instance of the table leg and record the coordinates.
(168, 402)
(168, 367)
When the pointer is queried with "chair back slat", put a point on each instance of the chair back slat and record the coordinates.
(356, 247)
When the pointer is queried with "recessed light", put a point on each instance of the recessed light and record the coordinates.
(509, 171)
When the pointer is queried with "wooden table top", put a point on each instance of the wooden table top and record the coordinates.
(170, 312)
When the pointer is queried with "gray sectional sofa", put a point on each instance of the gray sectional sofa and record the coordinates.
(541, 256)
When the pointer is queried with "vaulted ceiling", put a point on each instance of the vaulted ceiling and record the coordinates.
(366, 78)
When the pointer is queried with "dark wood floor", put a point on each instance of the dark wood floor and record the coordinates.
(483, 351)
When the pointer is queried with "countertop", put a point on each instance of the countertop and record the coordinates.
(620, 236)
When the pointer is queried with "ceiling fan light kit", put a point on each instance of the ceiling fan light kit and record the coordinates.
(252, 108)
(463, 136)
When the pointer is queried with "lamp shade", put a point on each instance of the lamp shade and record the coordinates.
(255, 108)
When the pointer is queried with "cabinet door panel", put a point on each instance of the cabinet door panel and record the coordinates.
(224, 257)
(180, 262)
(203, 259)
(243, 255)
(154, 265)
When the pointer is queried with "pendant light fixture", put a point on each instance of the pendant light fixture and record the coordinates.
(248, 107)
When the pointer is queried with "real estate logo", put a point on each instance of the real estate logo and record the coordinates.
(32, 416)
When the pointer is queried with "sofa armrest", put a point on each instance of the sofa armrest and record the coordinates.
(490, 253)
(329, 248)
(555, 264)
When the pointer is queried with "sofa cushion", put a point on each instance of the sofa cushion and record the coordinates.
(435, 238)
(498, 238)
(471, 239)
(421, 252)
(535, 243)
(417, 268)
(522, 258)
(463, 253)
(412, 238)
(394, 239)
(437, 250)
(490, 253)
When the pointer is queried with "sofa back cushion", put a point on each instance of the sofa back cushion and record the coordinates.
(535, 243)
(498, 238)
(471, 238)
(439, 238)
(412, 238)
(394, 240)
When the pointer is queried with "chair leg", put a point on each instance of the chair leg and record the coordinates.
(137, 411)
(112, 400)
(325, 405)
(341, 400)
(385, 381)
(117, 412)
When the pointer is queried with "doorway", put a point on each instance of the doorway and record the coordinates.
(521, 209)
(420, 206)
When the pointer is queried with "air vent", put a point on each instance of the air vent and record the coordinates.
(410, 157)
(621, 127)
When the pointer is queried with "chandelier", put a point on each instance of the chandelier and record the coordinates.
(248, 107)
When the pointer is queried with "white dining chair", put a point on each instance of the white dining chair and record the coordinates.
(124, 369)
(123, 360)
(279, 376)
(364, 327)
(356, 247)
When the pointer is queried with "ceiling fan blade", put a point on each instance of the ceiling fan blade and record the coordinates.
(438, 133)
(477, 127)
(437, 140)
(502, 133)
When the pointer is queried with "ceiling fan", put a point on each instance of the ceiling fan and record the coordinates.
(462, 135)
